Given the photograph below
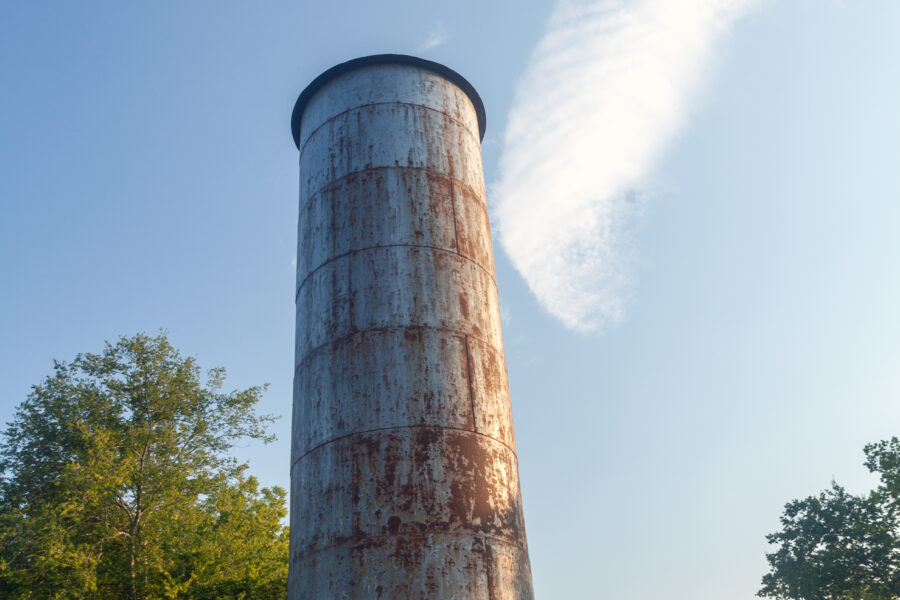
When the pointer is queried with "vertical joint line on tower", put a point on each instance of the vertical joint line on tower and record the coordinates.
(469, 383)
(453, 204)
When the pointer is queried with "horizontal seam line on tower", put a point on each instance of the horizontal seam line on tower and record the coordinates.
(362, 106)
(386, 328)
(357, 251)
(457, 534)
(334, 183)
(347, 435)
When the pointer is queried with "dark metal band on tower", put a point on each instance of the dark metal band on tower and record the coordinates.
(404, 478)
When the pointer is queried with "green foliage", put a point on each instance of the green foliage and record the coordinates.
(115, 482)
(838, 546)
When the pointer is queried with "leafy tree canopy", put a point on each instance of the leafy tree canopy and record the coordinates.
(839, 546)
(116, 482)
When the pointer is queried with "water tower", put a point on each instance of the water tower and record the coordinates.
(404, 477)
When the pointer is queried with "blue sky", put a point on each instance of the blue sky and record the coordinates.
(148, 179)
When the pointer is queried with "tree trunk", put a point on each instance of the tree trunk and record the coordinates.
(133, 572)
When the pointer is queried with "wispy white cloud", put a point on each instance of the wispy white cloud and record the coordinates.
(437, 37)
(505, 314)
(607, 88)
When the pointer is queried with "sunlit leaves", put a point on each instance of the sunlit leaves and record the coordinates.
(117, 483)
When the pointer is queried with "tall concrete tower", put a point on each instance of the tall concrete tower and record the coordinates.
(404, 480)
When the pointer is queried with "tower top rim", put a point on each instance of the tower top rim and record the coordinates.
(385, 59)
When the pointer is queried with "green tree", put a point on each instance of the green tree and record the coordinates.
(116, 482)
(840, 546)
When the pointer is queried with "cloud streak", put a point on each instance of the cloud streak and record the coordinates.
(437, 37)
(607, 89)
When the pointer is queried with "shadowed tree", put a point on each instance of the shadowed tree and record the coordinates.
(117, 483)
(838, 546)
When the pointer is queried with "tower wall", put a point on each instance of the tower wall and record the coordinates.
(404, 480)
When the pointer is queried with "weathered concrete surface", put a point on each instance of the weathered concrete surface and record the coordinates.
(404, 480)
